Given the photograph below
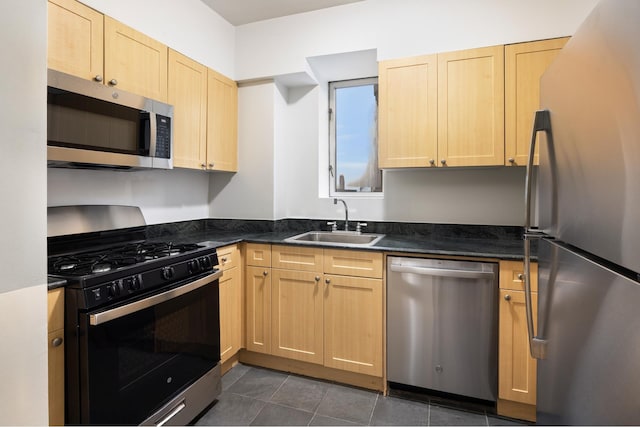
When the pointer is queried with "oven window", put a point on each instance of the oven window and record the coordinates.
(137, 363)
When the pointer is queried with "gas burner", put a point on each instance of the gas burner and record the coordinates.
(94, 262)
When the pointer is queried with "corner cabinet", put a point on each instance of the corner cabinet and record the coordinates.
(222, 123)
(471, 107)
(55, 309)
(524, 65)
(408, 112)
(516, 367)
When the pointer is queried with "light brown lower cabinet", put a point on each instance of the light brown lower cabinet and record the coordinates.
(516, 367)
(332, 320)
(230, 286)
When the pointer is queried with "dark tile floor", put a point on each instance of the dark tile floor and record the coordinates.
(256, 396)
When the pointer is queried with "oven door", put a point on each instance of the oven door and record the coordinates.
(136, 358)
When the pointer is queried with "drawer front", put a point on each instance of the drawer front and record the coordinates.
(512, 275)
(353, 263)
(228, 257)
(55, 306)
(258, 254)
(296, 258)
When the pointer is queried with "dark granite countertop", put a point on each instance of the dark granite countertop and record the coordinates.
(478, 241)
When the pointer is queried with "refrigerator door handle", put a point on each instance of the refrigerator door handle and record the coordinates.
(537, 345)
(541, 123)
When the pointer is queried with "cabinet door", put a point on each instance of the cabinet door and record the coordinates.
(471, 107)
(296, 258)
(517, 369)
(230, 314)
(134, 62)
(56, 377)
(55, 326)
(353, 324)
(74, 39)
(222, 123)
(353, 263)
(524, 65)
(297, 324)
(258, 309)
(258, 254)
(407, 112)
(188, 95)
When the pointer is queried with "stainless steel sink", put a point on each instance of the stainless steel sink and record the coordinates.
(336, 238)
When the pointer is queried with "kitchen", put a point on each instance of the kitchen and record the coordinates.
(277, 121)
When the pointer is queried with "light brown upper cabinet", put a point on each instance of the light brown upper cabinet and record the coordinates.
(471, 107)
(88, 44)
(222, 123)
(75, 39)
(188, 95)
(134, 62)
(524, 65)
(408, 112)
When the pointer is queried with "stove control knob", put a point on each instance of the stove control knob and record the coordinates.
(167, 273)
(194, 266)
(205, 263)
(113, 290)
(134, 283)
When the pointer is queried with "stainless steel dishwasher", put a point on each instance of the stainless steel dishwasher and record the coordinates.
(442, 325)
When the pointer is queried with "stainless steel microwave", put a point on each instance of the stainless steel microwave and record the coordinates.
(90, 125)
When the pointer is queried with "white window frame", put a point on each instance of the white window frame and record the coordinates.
(332, 140)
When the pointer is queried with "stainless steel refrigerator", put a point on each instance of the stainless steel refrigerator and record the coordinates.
(587, 340)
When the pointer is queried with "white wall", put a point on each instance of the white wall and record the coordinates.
(23, 252)
(249, 194)
(163, 196)
(299, 45)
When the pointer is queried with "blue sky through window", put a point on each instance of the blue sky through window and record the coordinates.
(355, 136)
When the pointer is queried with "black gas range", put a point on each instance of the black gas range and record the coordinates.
(122, 272)
(142, 326)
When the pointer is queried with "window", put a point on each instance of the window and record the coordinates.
(353, 137)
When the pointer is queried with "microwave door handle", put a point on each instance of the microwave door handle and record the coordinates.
(115, 313)
(153, 133)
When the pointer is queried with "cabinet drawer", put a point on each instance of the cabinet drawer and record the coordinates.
(353, 263)
(228, 257)
(55, 308)
(296, 258)
(511, 275)
(259, 254)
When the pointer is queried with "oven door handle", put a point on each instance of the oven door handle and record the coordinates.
(115, 313)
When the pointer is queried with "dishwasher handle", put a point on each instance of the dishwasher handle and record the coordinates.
(442, 272)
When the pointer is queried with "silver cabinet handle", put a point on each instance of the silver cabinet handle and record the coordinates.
(56, 342)
(211, 165)
(265, 273)
(432, 162)
(442, 272)
(443, 161)
(512, 160)
(223, 259)
(327, 281)
(115, 313)
(317, 278)
(203, 165)
(507, 297)
(520, 276)
(98, 78)
(113, 82)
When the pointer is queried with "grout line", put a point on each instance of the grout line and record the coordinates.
(429, 414)
(278, 389)
(373, 409)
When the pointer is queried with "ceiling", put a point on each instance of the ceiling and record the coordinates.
(239, 12)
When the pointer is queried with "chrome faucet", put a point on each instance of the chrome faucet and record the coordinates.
(346, 213)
